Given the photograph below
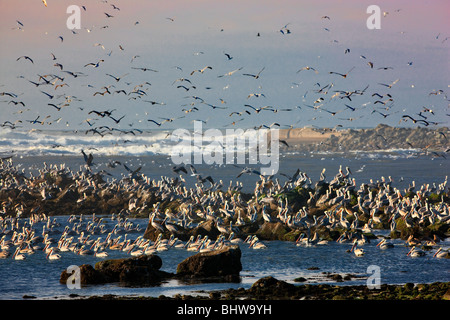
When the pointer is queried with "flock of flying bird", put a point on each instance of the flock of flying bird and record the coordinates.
(321, 98)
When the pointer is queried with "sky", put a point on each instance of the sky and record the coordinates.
(409, 55)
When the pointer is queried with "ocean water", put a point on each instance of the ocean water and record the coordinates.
(153, 152)
(39, 277)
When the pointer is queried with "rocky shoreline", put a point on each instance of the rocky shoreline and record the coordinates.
(432, 141)
(269, 288)
(222, 265)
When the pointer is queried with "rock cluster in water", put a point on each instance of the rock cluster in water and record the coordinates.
(220, 265)
(142, 270)
(423, 140)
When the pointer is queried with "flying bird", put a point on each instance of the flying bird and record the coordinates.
(285, 30)
(308, 68)
(201, 70)
(144, 69)
(186, 88)
(248, 171)
(258, 110)
(55, 106)
(59, 65)
(256, 76)
(389, 85)
(181, 79)
(116, 120)
(415, 120)
(87, 158)
(17, 102)
(284, 142)
(48, 95)
(117, 78)
(157, 123)
(26, 58)
(230, 73)
(177, 169)
(342, 75)
(154, 102)
(229, 57)
(351, 108)
(257, 95)
(95, 65)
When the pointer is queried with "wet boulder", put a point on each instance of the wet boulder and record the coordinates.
(224, 263)
(88, 275)
(207, 228)
(271, 287)
(272, 231)
(142, 270)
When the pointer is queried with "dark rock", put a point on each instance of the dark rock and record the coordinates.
(334, 276)
(116, 201)
(300, 279)
(446, 296)
(88, 275)
(272, 231)
(270, 286)
(66, 196)
(224, 263)
(152, 233)
(207, 228)
(115, 265)
(214, 295)
(142, 270)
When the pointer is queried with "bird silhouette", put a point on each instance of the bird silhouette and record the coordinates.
(342, 75)
(256, 76)
(26, 58)
(88, 158)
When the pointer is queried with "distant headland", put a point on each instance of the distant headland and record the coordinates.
(383, 137)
